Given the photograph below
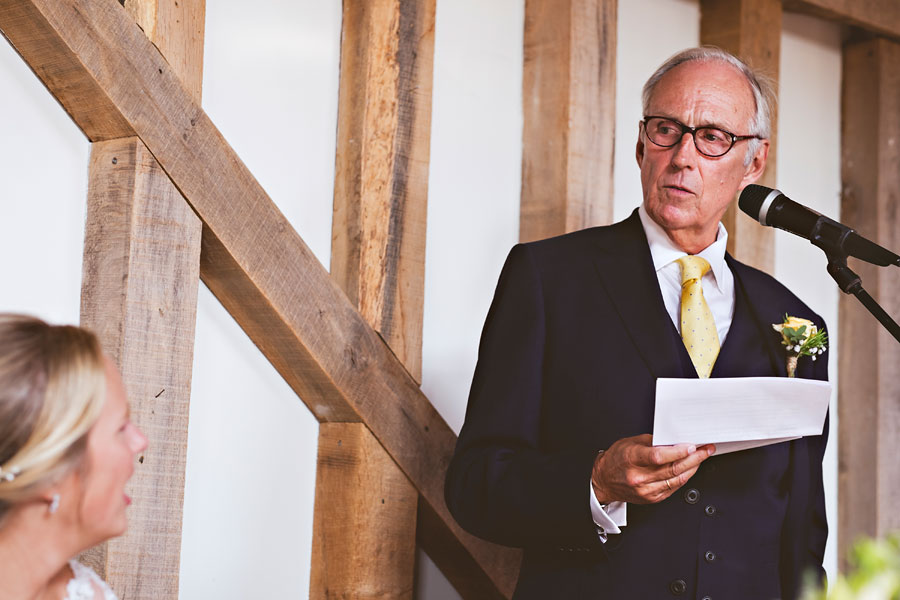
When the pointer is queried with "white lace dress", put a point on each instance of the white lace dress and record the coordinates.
(86, 584)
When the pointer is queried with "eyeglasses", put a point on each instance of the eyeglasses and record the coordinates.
(709, 141)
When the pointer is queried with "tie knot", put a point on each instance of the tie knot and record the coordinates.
(692, 267)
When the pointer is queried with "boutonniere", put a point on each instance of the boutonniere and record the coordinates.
(801, 338)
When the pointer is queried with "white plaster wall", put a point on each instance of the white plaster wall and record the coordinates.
(270, 85)
(675, 25)
(473, 200)
(43, 195)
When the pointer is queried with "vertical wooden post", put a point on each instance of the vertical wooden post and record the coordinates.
(381, 171)
(139, 293)
(569, 95)
(869, 390)
(364, 542)
(751, 30)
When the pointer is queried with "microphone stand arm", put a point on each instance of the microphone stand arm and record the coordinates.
(848, 281)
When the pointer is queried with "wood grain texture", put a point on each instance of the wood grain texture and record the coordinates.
(176, 28)
(364, 532)
(142, 266)
(60, 69)
(751, 30)
(139, 293)
(364, 529)
(875, 16)
(381, 169)
(258, 266)
(569, 92)
(869, 389)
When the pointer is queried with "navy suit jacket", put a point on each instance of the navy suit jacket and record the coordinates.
(573, 343)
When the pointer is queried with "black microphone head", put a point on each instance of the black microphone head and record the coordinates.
(752, 199)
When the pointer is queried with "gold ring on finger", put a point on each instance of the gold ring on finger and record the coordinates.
(668, 485)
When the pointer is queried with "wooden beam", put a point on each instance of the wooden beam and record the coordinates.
(381, 170)
(29, 33)
(880, 17)
(869, 390)
(139, 290)
(364, 547)
(751, 30)
(139, 293)
(569, 99)
(252, 259)
(175, 27)
(358, 486)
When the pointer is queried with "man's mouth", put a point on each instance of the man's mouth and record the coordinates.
(678, 188)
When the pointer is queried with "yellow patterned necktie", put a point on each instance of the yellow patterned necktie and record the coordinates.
(698, 328)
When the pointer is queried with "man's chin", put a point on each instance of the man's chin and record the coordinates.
(673, 218)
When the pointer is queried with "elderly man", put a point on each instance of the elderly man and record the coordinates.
(555, 455)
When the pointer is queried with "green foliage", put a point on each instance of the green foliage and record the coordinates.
(794, 334)
(875, 574)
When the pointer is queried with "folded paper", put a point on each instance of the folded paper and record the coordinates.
(738, 413)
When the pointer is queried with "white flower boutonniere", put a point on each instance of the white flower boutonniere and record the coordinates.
(801, 338)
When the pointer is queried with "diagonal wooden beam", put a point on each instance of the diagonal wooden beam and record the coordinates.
(880, 17)
(252, 259)
(176, 28)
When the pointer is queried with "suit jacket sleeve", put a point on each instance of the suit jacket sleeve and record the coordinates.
(501, 484)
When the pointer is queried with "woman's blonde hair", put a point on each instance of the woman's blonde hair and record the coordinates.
(52, 388)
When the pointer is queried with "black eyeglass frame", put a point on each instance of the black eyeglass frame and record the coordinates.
(693, 131)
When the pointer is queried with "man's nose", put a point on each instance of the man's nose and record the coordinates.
(685, 151)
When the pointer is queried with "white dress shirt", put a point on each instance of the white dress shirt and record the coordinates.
(718, 290)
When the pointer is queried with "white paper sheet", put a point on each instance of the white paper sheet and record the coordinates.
(738, 413)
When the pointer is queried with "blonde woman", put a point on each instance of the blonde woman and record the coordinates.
(67, 448)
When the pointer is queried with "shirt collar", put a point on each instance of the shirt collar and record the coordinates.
(663, 251)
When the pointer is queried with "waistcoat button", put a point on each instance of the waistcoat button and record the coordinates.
(709, 556)
(691, 496)
(710, 510)
(678, 587)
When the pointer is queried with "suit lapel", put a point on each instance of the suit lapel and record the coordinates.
(626, 272)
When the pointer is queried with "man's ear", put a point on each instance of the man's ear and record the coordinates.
(757, 165)
(639, 149)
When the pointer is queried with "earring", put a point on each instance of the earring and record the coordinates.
(54, 504)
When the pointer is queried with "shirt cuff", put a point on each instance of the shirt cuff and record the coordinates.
(608, 518)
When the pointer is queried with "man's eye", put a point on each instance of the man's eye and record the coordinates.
(713, 135)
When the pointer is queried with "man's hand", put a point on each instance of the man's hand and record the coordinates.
(633, 470)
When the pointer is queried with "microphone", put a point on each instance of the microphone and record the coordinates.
(771, 207)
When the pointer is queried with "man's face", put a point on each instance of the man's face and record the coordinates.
(685, 192)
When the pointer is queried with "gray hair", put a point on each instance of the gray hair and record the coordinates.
(761, 86)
